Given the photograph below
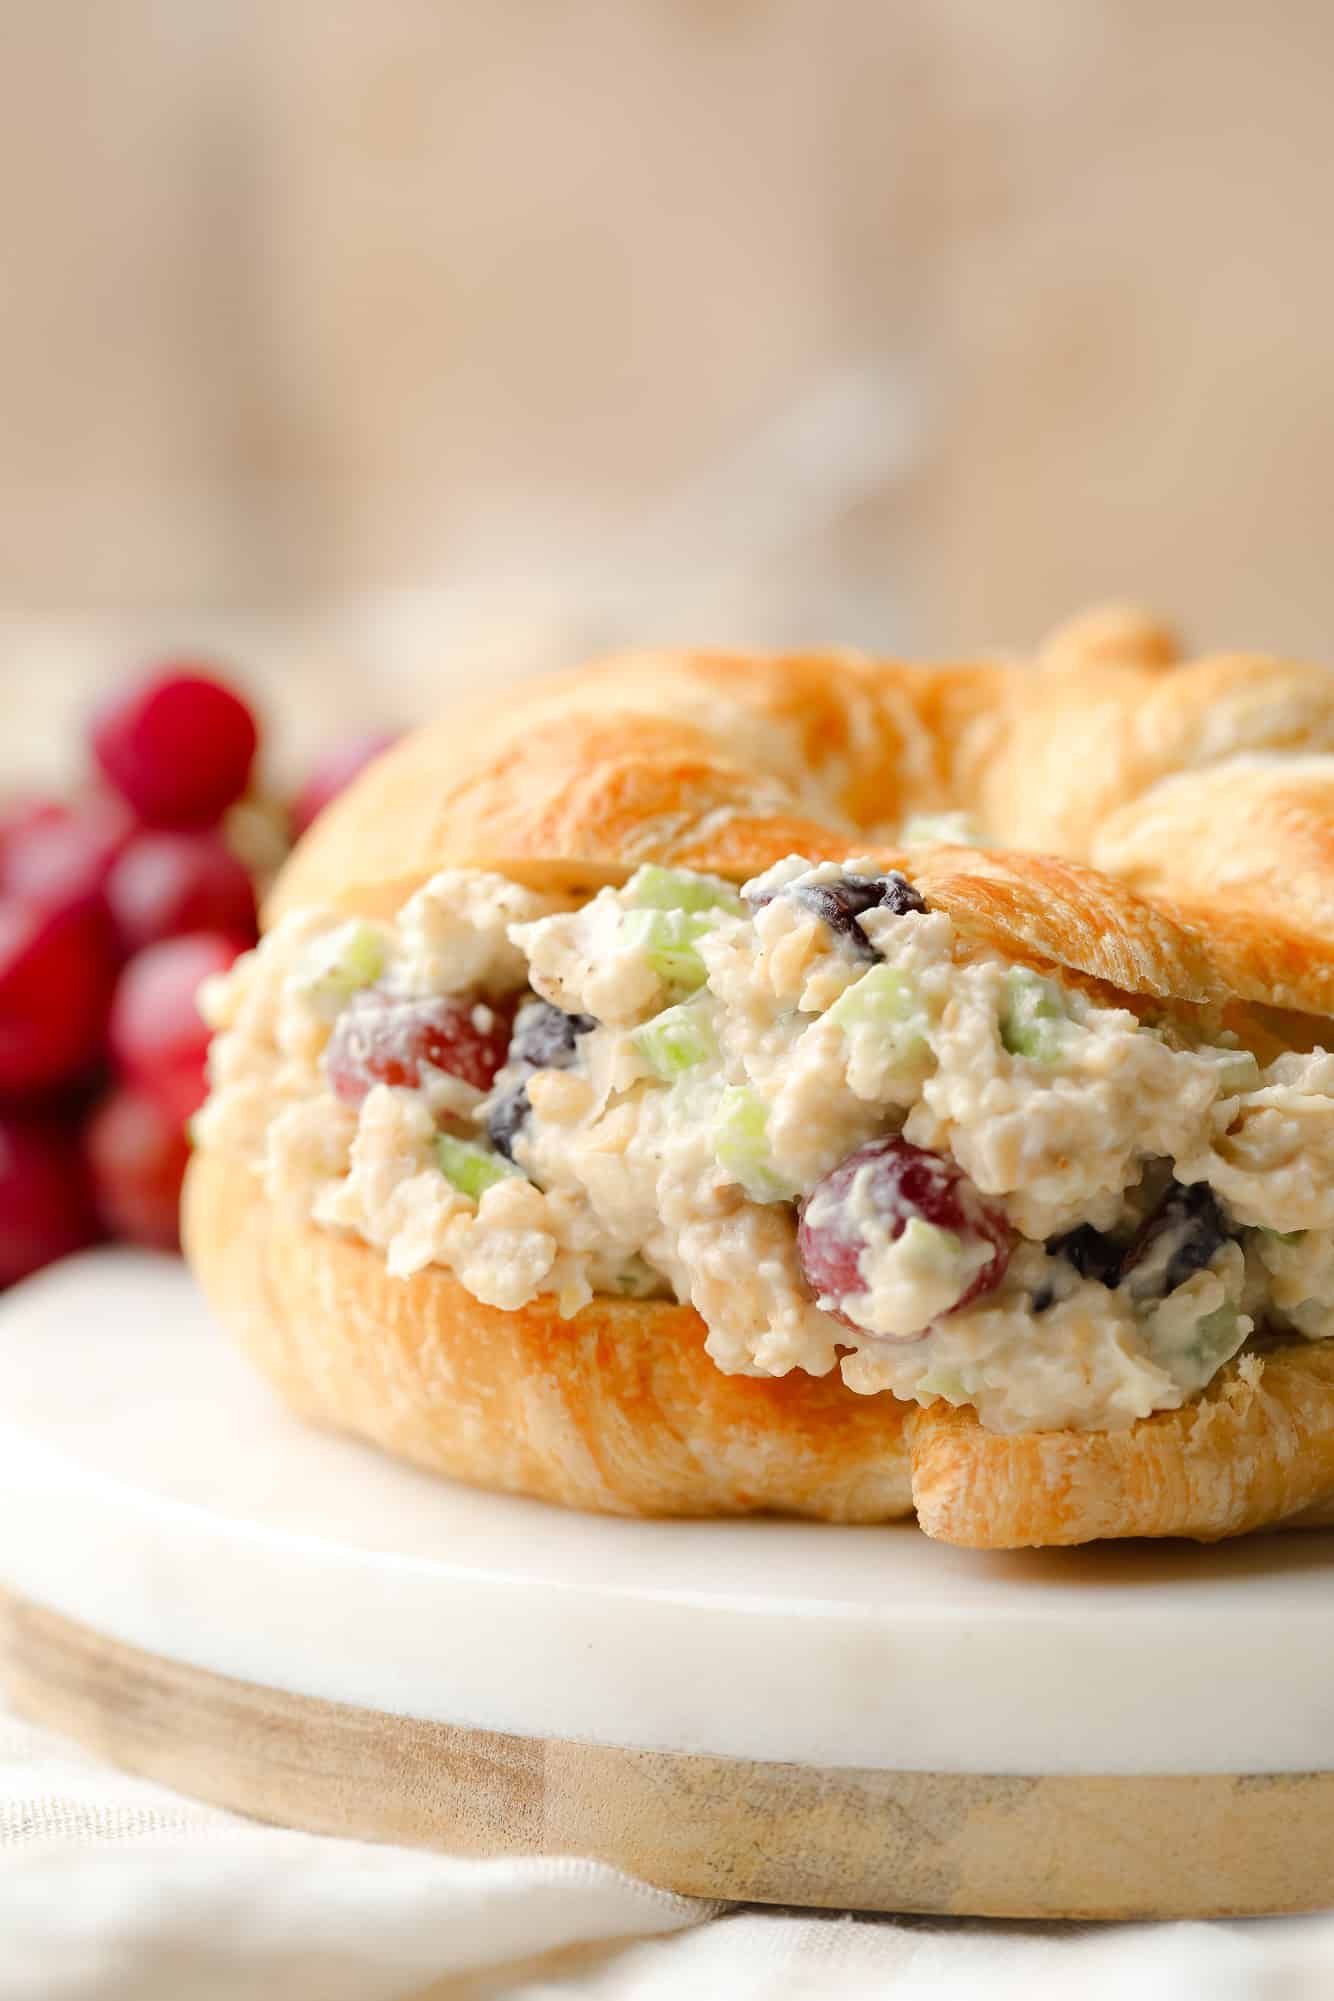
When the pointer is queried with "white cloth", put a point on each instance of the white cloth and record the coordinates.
(115, 1890)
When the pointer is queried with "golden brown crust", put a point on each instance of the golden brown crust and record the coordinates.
(721, 762)
(618, 1409)
(1120, 635)
(1256, 1448)
(1070, 918)
(656, 757)
(1245, 851)
(1192, 807)
(1093, 737)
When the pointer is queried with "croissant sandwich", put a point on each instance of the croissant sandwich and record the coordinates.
(702, 1085)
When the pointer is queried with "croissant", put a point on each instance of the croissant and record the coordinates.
(699, 1085)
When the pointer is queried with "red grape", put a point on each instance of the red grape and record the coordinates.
(381, 1039)
(334, 771)
(158, 1036)
(179, 747)
(138, 1153)
(180, 1089)
(167, 883)
(56, 974)
(46, 1205)
(904, 1182)
(63, 858)
(22, 815)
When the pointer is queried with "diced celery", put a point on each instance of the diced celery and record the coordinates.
(1195, 1352)
(1217, 1338)
(889, 1001)
(741, 1145)
(883, 995)
(928, 1247)
(1033, 1018)
(655, 888)
(667, 940)
(472, 1168)
(340, 964)
(676, 1040)
(672, 908)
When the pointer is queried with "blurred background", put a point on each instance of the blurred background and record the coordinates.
(375, 350)
(383, 345)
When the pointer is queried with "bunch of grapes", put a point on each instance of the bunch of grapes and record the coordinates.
(114, 906)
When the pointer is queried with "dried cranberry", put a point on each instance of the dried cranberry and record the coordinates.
(903, 1183)
(385, 1038)
(1092, 1254)
(545, 1037)
(1182, 1236)
(506, 1117)
(841, 903)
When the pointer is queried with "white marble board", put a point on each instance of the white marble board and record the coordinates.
(152, 1489)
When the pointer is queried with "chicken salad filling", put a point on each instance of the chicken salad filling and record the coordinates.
(811, 1108)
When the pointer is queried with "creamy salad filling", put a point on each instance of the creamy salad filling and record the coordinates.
(809, 1107)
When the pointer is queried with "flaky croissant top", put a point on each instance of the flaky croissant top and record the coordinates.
(1207, 786)
(1151, 833)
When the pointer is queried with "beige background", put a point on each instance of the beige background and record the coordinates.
(390, 342)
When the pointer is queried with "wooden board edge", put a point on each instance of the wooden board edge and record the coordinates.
(944, 1843)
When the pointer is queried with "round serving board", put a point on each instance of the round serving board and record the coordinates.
(205, 1591)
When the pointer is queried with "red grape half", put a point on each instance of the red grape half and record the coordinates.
(380, 1038)
(901, 1183)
